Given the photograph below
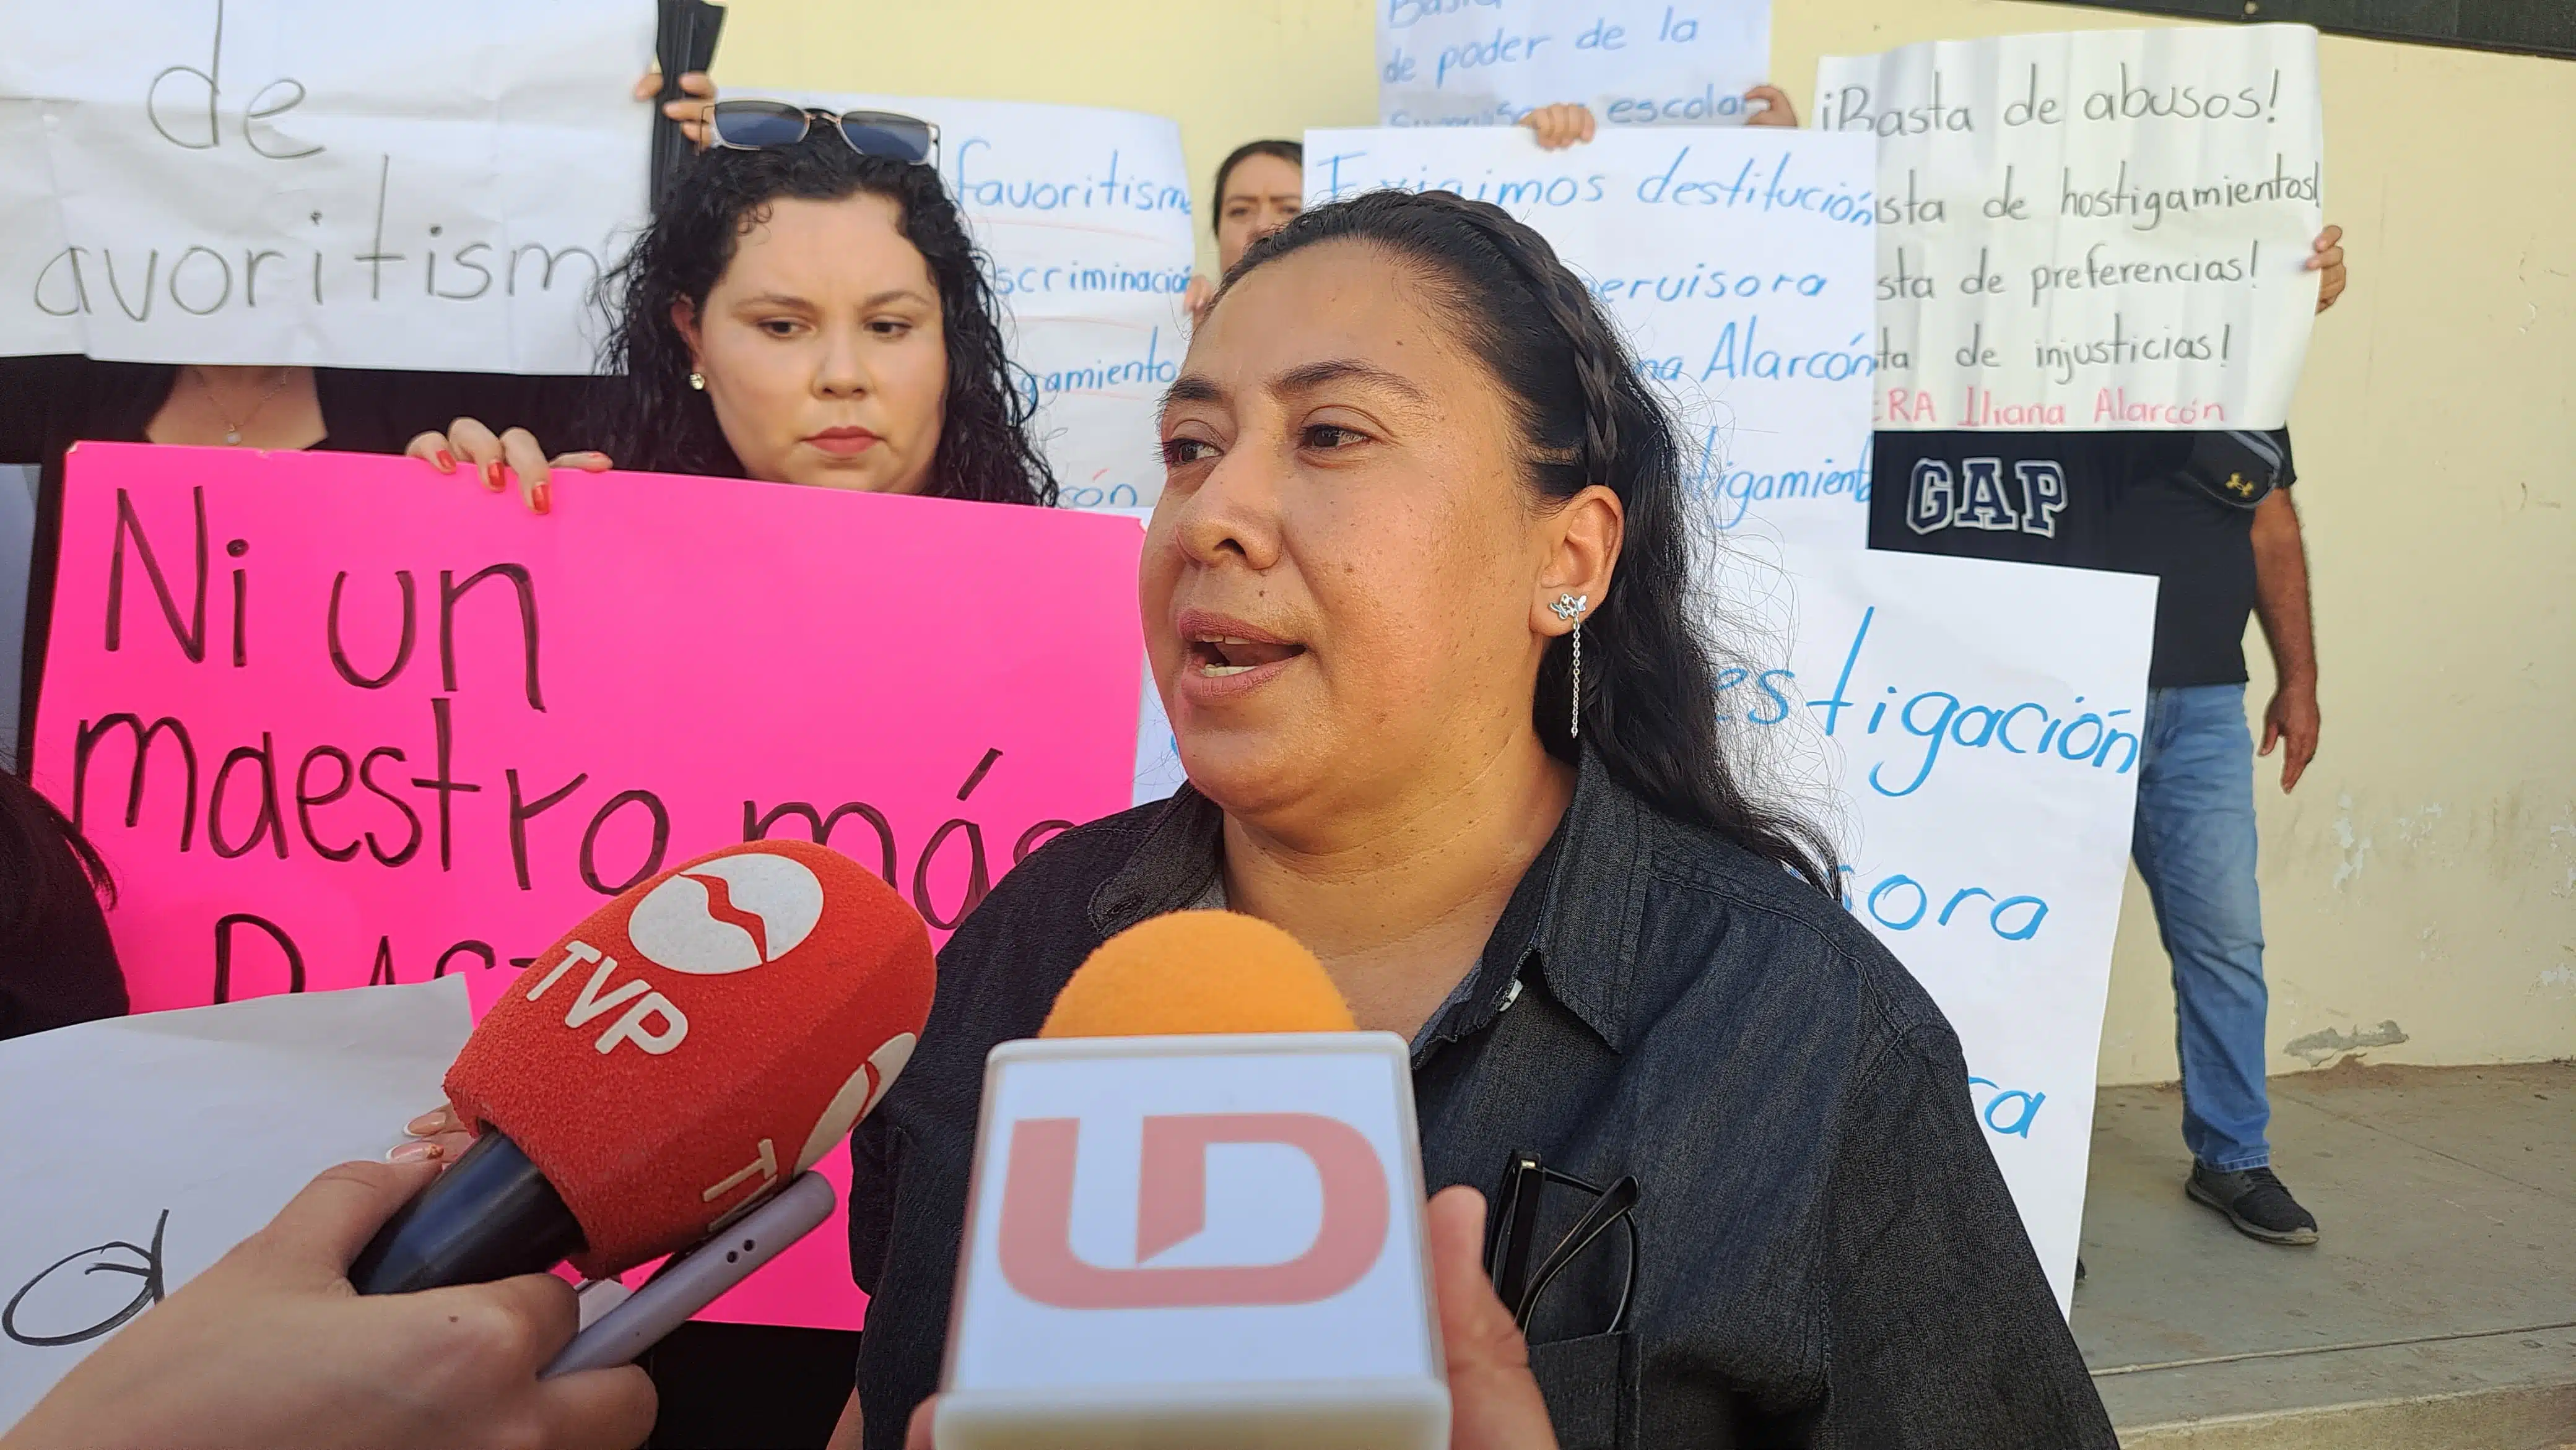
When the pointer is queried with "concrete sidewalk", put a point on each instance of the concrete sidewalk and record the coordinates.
(2438, 1309)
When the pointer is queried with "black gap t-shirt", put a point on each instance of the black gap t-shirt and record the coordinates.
(2179, 506)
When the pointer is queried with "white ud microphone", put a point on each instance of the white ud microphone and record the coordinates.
(1196, 1216)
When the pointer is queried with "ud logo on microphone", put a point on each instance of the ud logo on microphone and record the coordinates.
(1037, 1253)
(727, 915)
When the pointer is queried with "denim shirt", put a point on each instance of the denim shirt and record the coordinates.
(1827, 1252)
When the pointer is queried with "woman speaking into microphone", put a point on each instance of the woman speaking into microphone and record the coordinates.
(1417, 597)
(807, 308)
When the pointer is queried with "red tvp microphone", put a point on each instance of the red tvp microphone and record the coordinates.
(1196, 1215)
(667, 1067)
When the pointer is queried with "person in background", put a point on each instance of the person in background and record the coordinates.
(57, 964)
(2209, 515)
(1417, 596)
(808, 309)
(48, 403)
(1261, 184)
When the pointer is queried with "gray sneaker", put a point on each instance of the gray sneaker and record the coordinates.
(2255, 1201)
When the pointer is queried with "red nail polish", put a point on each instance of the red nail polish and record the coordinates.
(544, 497)
(492, 477)
(446, 461)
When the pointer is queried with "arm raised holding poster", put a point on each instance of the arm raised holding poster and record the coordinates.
(2100, 230)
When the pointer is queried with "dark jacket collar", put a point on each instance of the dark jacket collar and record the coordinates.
(1575, 915)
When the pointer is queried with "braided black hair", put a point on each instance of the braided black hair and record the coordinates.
(1649, 705)
(657, 422)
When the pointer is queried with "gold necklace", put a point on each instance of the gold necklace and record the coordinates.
(233, 430)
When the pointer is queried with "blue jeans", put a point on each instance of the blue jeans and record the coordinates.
(2195, 846)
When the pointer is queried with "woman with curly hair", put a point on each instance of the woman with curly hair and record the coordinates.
(808, 309)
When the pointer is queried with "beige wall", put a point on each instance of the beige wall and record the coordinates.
(2425, 871)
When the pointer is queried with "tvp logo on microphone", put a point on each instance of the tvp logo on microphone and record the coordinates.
(1202, 1223)
(727, 915)
(748, 1006)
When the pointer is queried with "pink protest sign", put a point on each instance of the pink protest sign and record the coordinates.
(339, 720)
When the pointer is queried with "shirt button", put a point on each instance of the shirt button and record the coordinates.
(1511, 994)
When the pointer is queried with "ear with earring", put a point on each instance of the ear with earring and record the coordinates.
(697, 380)
(1570, 607)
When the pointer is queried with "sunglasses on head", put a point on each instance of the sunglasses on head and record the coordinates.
(756, 125)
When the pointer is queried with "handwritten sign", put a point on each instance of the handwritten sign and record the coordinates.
(2091, 231)
(1974, 727)
(337, 722)
(1084, 215)
(1634, 62)
(1736, 262)
(160, 1141)
(317, 181)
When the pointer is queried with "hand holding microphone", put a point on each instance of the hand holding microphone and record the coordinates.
(1494, 1403)
(668, 1067)
(665, 1072)
(1196, 1218)
(270, 1347)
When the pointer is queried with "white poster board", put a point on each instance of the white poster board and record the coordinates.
(1737, 262)
(2104, 229)
(1971, 730)
(1085, 214)
(140, 1149)
(345, 182)
(1634, 62)
(1978, 726)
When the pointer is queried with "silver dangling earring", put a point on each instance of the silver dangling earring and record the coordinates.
(698, 381)
(1570, 607)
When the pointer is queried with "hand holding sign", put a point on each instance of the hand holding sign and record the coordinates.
(1559, 126)
(498, 458)
(690, 113)
(1777, 109)
(2327, 262)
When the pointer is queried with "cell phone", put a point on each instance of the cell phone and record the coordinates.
(693, 1280)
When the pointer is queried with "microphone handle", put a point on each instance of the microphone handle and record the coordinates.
(490, 1216)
